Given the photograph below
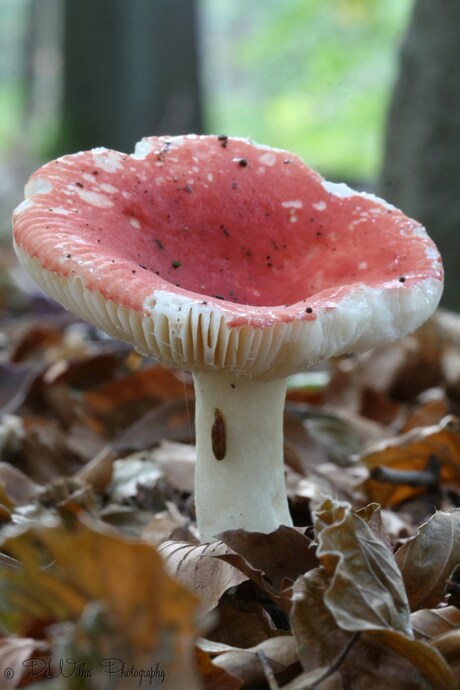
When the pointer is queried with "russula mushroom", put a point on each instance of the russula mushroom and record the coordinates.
(236, 262)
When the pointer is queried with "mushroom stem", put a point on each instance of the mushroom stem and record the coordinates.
(241, 422)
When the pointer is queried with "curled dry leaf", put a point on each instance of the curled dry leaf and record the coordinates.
(281, 653)
(431, 408)
(14, 653)
(427, 560)
(430, 623)
(212, 676)
(381, 659)
(198, 569)
(177, 460)
(281, 555)
(241, 623)
(367, 591)
(19, 489)
(412, 451)
(123, 401)
(172, 419)
(151, 614)
(15, 385)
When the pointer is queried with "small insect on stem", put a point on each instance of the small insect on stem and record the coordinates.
(218, 439)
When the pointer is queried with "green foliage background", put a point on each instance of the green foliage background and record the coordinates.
(312, 76)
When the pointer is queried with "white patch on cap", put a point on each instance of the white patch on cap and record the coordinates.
(343, 191)
(363, 265)
(94, 198)
(142, 149)
(268, 159)
(109, 188)
(88, 177)
(320, 205)
(135, 223)
(292, 204)
(107, 160)
(61, 211)
(37, 185)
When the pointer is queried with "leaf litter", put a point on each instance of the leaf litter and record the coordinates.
(103, 580)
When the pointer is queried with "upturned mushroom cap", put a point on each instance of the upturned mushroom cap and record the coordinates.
(211, 252)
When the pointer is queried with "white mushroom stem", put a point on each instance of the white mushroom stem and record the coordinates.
(246, 488)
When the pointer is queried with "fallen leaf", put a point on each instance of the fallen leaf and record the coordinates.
(431, 408)
(153, 616)
(131, 471)
(19, 489)
(427, 560)
(281, 555)
(122, 402)
(212, 676)
(242, 623)
(14, 654)
(16, 382)
(381, 658)
(367, 591)
(198, 569)
(281, 653)
(412, 451)
(430, 623)
(172, 420)
(177, 460)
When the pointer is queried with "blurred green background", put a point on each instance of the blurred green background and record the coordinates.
(313, 77)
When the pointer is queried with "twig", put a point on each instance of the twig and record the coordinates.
(269, 675)
(338, 661)
(428, 477)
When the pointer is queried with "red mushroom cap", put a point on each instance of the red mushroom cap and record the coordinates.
(211, 251)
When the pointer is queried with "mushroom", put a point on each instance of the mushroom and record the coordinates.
(236, 262)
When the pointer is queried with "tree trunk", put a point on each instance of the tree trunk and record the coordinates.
(421, 171)
(130, 70)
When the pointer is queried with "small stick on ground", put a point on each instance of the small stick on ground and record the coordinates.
(336, 663)
(428, 477)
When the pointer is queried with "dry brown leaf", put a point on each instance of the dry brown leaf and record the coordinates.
(213, 677)
(172, 420)
(379, 407)
(449, 646)
(242, 623)
(14, 655)
(281, 653)
(34, 341)
(281, 555)
(363, 592)
(198, 569)
(432, 406)
(382, 659)
(121, 402)
(177, 461)
(426, 659)
(17, 485)
(430, 623)
(412, 451)
(151, 615)
(367, 590)
(45, 454)
(15, 386)
(427, 560)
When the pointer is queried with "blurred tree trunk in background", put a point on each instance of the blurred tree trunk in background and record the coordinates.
(130, 70)
(421, 171)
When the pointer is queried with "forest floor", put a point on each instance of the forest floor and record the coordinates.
(103, 581)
